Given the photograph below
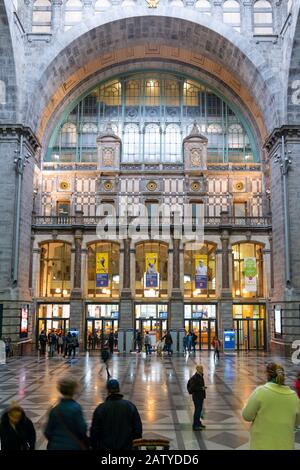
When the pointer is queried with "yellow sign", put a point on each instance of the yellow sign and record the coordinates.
(151, 263)
(152, 3)
(102, 263)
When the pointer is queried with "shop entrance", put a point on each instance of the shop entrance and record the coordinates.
(152, 318)
(250, 327)
(97, 332)
(59, 325)
(156, 328)
(250, 334)
(52, 317)
(205, 330)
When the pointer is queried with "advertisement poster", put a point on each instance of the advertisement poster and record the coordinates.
(24, 321)
(250, 273)
(101, 269)
(201, 271)
(151, 268)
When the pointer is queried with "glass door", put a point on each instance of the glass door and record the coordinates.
(59, 325)
(250, 334)
(97, 332)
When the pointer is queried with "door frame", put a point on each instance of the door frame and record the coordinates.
(236, 324)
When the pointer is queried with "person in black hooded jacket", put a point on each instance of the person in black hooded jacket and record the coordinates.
(16, 430)
(116, 422)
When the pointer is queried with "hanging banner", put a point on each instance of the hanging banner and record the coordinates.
(250, 273)
(151, 267)
(101, 269)
(201, 271)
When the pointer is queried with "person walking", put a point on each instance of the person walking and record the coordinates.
(116, 340)
(60, 343)
(189, 341)
(216, 344)
(43, 342)
(68, 345)
(16, 430)
(66, 427)
(111, 340)
(196, 388)
(105, 358)
(139, 341)
(185, 343)
(52, 343)
(116, 422)
(274, 411)
(194, 341)
(147, 343)
(168, 342)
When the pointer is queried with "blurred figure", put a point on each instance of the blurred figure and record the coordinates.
(168, 342)
(111, 341)
(116, 340)
(61, 343)
(147, 343)
(194, 341)
(43, 342)
(216, 344)
(66, 427)
(185, 343)
(160, 347)
(16, 430)
(116, 422)
(52, 343)
(274, 410)
(105, 358)
(139, 341)
(196, 388)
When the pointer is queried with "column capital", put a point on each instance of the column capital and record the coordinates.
(291, 132)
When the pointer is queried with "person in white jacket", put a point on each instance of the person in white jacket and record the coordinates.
(274, 410)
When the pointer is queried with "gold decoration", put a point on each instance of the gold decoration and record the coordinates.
(195, 186)
(108, 185)
(152, 186)
(152, 3)
(64, 185)
(239, 186)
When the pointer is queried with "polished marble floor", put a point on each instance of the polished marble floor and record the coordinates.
(156, 385)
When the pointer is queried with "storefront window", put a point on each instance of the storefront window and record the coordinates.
(247, 270)
(151, 270)
(248, 311)
(200, 271)
(55, 277)
(103, 270)
(103, 311)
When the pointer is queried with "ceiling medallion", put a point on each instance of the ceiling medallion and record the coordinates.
(108, 185)
(151, 186)
(64, 185)
(195, 186)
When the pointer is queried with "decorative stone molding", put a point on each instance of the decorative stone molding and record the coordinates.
(109, 150)
(195, 150)
(290, 132)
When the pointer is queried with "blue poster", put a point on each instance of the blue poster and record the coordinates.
(201, 281)
(151, 280)
(229, 340)
(101, 280)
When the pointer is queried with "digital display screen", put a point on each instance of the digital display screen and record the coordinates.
(115, 315)
(24, 321)
(163, 315)
(278, 324)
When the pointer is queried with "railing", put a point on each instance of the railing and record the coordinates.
(87, 221)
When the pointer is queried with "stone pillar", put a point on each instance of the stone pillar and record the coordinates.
(126, 302)
(76, 304)
(77, 267)
(88, 9)
(247, 18)
(283, 146)
(225, 319)
(36, 261)
(217, 10)
(176, 313)
(26, 13)
(57, 13)
(18, 150)
(278, 18)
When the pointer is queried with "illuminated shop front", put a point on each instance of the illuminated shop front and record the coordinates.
(103, 270)
(152, 318)
(53, 317)
(202, 320)
(250, 326)
(151, 279)
(101, 320)
(55, 269)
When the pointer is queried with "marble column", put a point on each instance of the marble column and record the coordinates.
(76, 303)
(225, 319)
(57, 13)
(176, 313)
(126, 302)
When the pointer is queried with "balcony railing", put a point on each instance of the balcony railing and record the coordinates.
(87, 221)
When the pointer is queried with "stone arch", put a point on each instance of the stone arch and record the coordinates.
(185, 38)
(293, 90)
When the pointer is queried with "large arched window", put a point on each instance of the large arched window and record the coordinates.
(151, 276)
(151, 112)
(263, 17)
(73, 13)
(41, 16)
(131, 143)
(239, 148)
(203, 6)
(248, 270)
(173, 142)
(200, 271)
(55, 269)
(232, 14)
(103, 270)
(152, 143)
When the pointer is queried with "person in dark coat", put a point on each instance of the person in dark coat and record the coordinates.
(111, 340)
(66, 428)
(116, 422)
(168, 342)
(16, 430)
(196, 387)
(43, 342)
